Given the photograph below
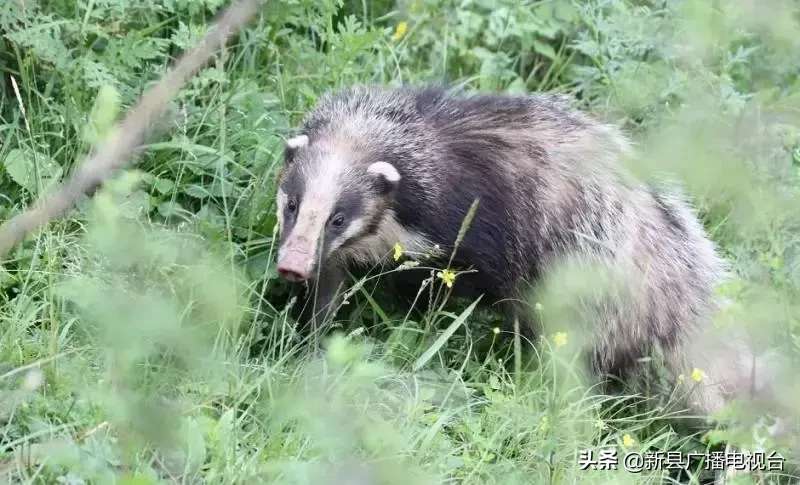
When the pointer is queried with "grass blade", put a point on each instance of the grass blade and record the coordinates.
(445, 336)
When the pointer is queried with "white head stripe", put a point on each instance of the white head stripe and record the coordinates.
(297, 141)
(282, 199)
(386, 170)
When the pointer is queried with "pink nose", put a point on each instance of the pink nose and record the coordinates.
(293, 266)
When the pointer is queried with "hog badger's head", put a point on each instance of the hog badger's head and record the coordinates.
(334, 199)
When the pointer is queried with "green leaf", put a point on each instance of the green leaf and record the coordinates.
(195, 444)
(104, 112)
(544, 49)
(445, 336)
(196, 191)
(164, 186)
(170, 209)
(517, 86)
(185, 145)
(6, 278)
(23, 165)
(225, 430)
(261, 265)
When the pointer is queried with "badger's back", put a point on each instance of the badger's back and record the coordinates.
(551, 188)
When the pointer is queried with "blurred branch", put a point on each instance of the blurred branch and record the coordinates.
(118, 149)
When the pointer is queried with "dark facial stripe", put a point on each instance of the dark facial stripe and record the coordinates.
(351, 206)
(293, 184)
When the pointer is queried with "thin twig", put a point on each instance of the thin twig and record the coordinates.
(39, 363)
(118, 150)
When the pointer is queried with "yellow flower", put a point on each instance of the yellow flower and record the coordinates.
(560, 339)
(628, 441)
(448, 277)
(496, 330)
(698, 374)
(398, 251)
(400, 30)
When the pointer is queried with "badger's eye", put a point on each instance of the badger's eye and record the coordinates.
(338, 220)
(291, 206)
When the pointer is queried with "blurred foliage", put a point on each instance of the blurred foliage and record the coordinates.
(145, 339)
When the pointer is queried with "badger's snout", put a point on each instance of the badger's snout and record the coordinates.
(295, 265)
(296, 259)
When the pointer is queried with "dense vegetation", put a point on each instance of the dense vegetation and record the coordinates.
(146, 337)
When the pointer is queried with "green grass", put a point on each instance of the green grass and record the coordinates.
(146, 338)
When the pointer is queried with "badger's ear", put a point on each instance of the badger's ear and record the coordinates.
(387, 177)
(292, 144)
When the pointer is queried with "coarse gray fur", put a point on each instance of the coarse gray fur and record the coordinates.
(551, 190)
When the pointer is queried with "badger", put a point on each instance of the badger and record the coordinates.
(372, 167)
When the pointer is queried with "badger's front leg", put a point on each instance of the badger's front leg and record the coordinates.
(323, 296)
